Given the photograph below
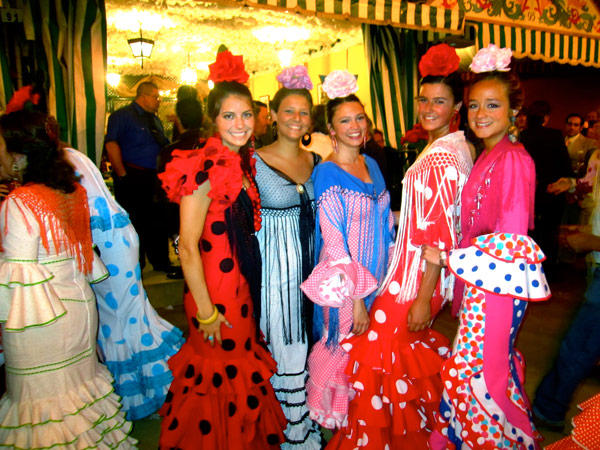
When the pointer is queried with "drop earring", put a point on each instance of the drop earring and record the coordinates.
(306, 139)
(513, 131)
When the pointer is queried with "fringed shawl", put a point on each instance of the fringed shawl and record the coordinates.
(65, 216)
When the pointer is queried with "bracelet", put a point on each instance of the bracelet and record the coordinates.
(443, 259)
(208, 320)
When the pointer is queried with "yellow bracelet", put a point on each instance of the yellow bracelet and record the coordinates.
(208, 320)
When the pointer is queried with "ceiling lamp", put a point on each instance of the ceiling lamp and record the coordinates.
(113, 79)
(141, 47)
(285, 57)
(189, 76)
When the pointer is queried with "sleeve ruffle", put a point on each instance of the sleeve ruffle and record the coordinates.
(333, 282)
(188, 169)
(99, 271)
(26, 298)
(503, 264)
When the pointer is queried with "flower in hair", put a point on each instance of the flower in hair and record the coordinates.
(295, 78)
(339, 83)
(228, 67)
(439, 60)
(491, 58)
(22, 98)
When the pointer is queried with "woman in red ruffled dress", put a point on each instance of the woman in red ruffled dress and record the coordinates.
(221, 397)
(394, 367)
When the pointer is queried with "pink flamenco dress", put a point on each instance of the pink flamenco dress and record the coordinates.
(585, 434)
(352, 239)
(498, 270)
(394, 372)
(221, 397)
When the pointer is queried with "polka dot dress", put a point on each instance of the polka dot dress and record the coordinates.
(508, 266)
(221, 397)
(585, 434)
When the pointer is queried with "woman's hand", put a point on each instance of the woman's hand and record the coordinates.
(419, 315)
(431, 254)
(360, 316)
(212, 331)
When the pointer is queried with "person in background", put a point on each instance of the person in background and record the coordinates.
(319, 142)
(263, 125)
(184, 93)
(522, 119)
(394, 367)
(580, 147)
(133, 140)
(221, 397)
(58, 394)
(484, 404)
(353, 235)
(286, 239)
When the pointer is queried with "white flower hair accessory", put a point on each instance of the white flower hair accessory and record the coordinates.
(339, 83)
(295, 78)
(491, 58)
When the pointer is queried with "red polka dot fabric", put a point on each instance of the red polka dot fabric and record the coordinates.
(586, 428)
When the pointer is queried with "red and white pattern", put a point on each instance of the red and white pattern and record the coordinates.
(585, 434)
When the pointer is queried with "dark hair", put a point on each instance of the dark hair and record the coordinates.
(144, 88)
(319, 114)
(332, 105)
(186, 92)
(284, 92)
(220, 92)
(509, 79)
(537, 111)
(27, 133)
(377, 131)
(574, 115)
(453, 81)
(257, 105)
(189, 111)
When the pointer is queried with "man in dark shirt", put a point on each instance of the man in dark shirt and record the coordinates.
(133, 140)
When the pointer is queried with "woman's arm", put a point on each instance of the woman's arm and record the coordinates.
(192, 211)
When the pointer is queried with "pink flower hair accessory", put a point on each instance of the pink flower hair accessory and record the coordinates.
(339, 83)
(295, 78)
(439, 60)
(491, 58)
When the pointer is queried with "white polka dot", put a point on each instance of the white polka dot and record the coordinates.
(385, 399)
(448, 384)
(453, 372)
(428, 193)
(519, 313)
(365, 439)
(362, 422)
(445, 430)
(358, 385)
(402, 405)
(393, 357)
(376, 402)
(451, 173)
(372, 335)
(480, 441)
(401, 386)
(447, 414)
(462, 406)
(380, 316)
(443, 351)
(517, 302)
(387, 447)
(347, 346)
(464, 433)
(394, 288)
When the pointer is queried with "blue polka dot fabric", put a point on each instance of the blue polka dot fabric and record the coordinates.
(503, 264)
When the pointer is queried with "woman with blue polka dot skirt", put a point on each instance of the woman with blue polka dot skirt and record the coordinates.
(498, 270)
(133, 340)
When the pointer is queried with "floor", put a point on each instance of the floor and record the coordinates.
(538, 340)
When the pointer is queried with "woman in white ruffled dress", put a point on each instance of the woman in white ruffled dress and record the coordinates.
(58, 394)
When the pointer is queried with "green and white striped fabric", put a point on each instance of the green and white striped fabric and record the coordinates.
(72, 35)
(548, 46)
(6, 87)
(416, 15)
(391, 59)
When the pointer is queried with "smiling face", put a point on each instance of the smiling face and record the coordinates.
(235, 121)
(349, 124)
(293, 117)
(435, 108)
(489, 111)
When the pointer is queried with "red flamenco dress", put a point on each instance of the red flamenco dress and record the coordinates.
(585, 434)
(221, 397)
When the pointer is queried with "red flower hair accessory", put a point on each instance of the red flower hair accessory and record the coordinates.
(439, 60)
(20, 98)
(228, 67)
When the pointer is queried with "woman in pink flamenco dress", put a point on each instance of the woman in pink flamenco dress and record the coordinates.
(484, 405)
(394, 367)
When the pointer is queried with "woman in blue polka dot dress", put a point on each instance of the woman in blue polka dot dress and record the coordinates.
(484, 405)
(133, 340)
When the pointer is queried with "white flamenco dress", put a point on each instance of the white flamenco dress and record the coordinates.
(58, 394)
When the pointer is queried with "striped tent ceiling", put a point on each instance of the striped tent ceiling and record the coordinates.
(544, 45)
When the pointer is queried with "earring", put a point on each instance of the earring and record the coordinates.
(274, 131)
(365, 142)
(306, 139)
(513, 131)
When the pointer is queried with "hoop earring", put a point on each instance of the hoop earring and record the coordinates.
(306, 139)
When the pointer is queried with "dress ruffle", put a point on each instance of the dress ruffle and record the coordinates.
(88, 416)
(209, 393)
(332, 282)
(502, 264)
(397, 387)
(27, 280)
(585, 434)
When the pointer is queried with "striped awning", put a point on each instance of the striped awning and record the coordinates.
(400, 13)
(547, 45)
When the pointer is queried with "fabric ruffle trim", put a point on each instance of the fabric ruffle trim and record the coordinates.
(99, 271)
(585, 433)
(27, 280)
(333, 282)
(490, 265)
(214, 162)
(88, 416)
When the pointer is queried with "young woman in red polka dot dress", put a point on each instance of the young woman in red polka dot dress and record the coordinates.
(394, 367)
(221, 397)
